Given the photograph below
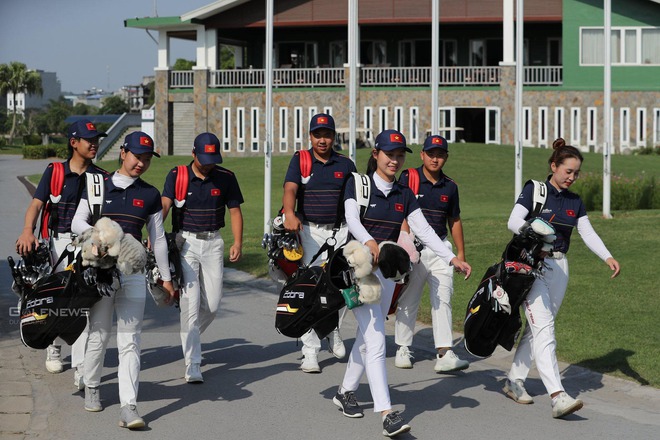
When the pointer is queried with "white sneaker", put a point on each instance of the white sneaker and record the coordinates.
(449, 362)
(54, 359)
(310, 364)
(516, 391)
(194, 374)
(336, 345)
(403, 358)
(79, 378)
(563, 405)
(129, 418)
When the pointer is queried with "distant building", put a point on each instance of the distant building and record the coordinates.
(136, 96)
(93, 97)
(52, 89)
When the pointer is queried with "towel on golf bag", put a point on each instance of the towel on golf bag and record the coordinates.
(311, 298)
(493, 317)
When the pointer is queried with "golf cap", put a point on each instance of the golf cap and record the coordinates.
(207, 149)
(85, 129)
(139, 142)
(321, 120)
(389, 140)
(435, 141)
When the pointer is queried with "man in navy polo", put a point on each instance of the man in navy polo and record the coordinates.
(83, 143)
(438, 198)
(211, 190)
(310, 205)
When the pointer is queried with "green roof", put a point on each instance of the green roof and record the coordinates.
(156, 22)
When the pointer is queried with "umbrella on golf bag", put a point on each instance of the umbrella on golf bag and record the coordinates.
(493, 317)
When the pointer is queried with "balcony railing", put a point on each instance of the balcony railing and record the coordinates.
(369, 76)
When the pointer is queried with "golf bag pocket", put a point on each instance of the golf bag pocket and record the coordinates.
(351, 299)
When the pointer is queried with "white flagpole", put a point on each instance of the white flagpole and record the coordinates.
(269, 115)
(353, 45)
(435, 65)
(607, 108)
(518, 97)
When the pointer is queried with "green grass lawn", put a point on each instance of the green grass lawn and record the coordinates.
(610, 326)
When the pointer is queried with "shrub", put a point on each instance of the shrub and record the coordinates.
(45, 151)
(32, 139)
(647, 151)
(626, 194)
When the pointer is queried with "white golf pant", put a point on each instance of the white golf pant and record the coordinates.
(202, 266)
(368, 352)
(440, 277)
(58, 246)
(128, 304)
(312, 237)
(538, 342)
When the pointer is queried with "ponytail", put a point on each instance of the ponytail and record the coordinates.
(372, 165)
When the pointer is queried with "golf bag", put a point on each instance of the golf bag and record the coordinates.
(493, 314)
(312, 298)
(56, 305)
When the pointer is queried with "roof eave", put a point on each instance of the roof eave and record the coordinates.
(161, 23)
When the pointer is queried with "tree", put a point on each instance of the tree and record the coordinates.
(114, 105)
(183, 64)
(15, 78)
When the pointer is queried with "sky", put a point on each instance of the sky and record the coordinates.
(85, 41)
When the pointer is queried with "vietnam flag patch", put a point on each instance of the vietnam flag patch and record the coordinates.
(209, 148)
(570, 213)
(90, 126)
(322, 120)
(138, 203)
(444, 198)
(215, 192)
(339, 174)
(145, 141)
(398, 207)
(394, 137)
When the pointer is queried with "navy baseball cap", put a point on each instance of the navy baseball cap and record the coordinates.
(85, 129)
(321, 120)
(389, 140)
(207, 149)
(435, 141)
(139, 142)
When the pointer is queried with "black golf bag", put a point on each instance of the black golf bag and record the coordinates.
(493, 314)
(312, 297)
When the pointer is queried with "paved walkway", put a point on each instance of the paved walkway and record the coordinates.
(253, 389)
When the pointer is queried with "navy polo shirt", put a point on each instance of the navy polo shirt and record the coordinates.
(318, 200)
(206, 199)
(562, 209)
(385, 214)
(71, 192)
(130, 207)
(438, 201)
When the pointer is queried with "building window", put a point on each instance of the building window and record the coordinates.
(543, 127)
(398, 119)
(311, 111)
(629, 45)
(369, 123)
(624, 126)
(527, 126)
(382, 119)
(298, 129)
(575, 126)
(240, 129)
(414, 125)
(284, 128)
(559, 122)
(254, 126)
(327, 111)
(338, 53)
(656, 126)
(592, 126)
(446, 119)
(373, 53)
(492, 125)
(226, 128)
(641, 127)
(554, 52)
(295, 54)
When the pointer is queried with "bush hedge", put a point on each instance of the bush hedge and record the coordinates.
(627, 193)
(45, 151)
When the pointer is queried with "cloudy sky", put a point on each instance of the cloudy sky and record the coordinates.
(85, 41)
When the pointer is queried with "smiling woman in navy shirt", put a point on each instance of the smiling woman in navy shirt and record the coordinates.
(565, 211)
(390, 203)
(132, 203)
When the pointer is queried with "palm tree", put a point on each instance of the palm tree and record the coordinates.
(15, 78)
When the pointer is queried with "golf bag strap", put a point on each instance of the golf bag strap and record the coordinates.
(413, 180)
(95, 195)
(305, 165)
(69, 254)
(362, 192)
(540, 196)
(180, 193)
(49, 216)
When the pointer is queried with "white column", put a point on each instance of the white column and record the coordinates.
(212, 49)
(520, 19)
(353, 45)
(269, 115)
(163, 51)
(507, 33)
(435, 65)
(201, 62)
(607, 108)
